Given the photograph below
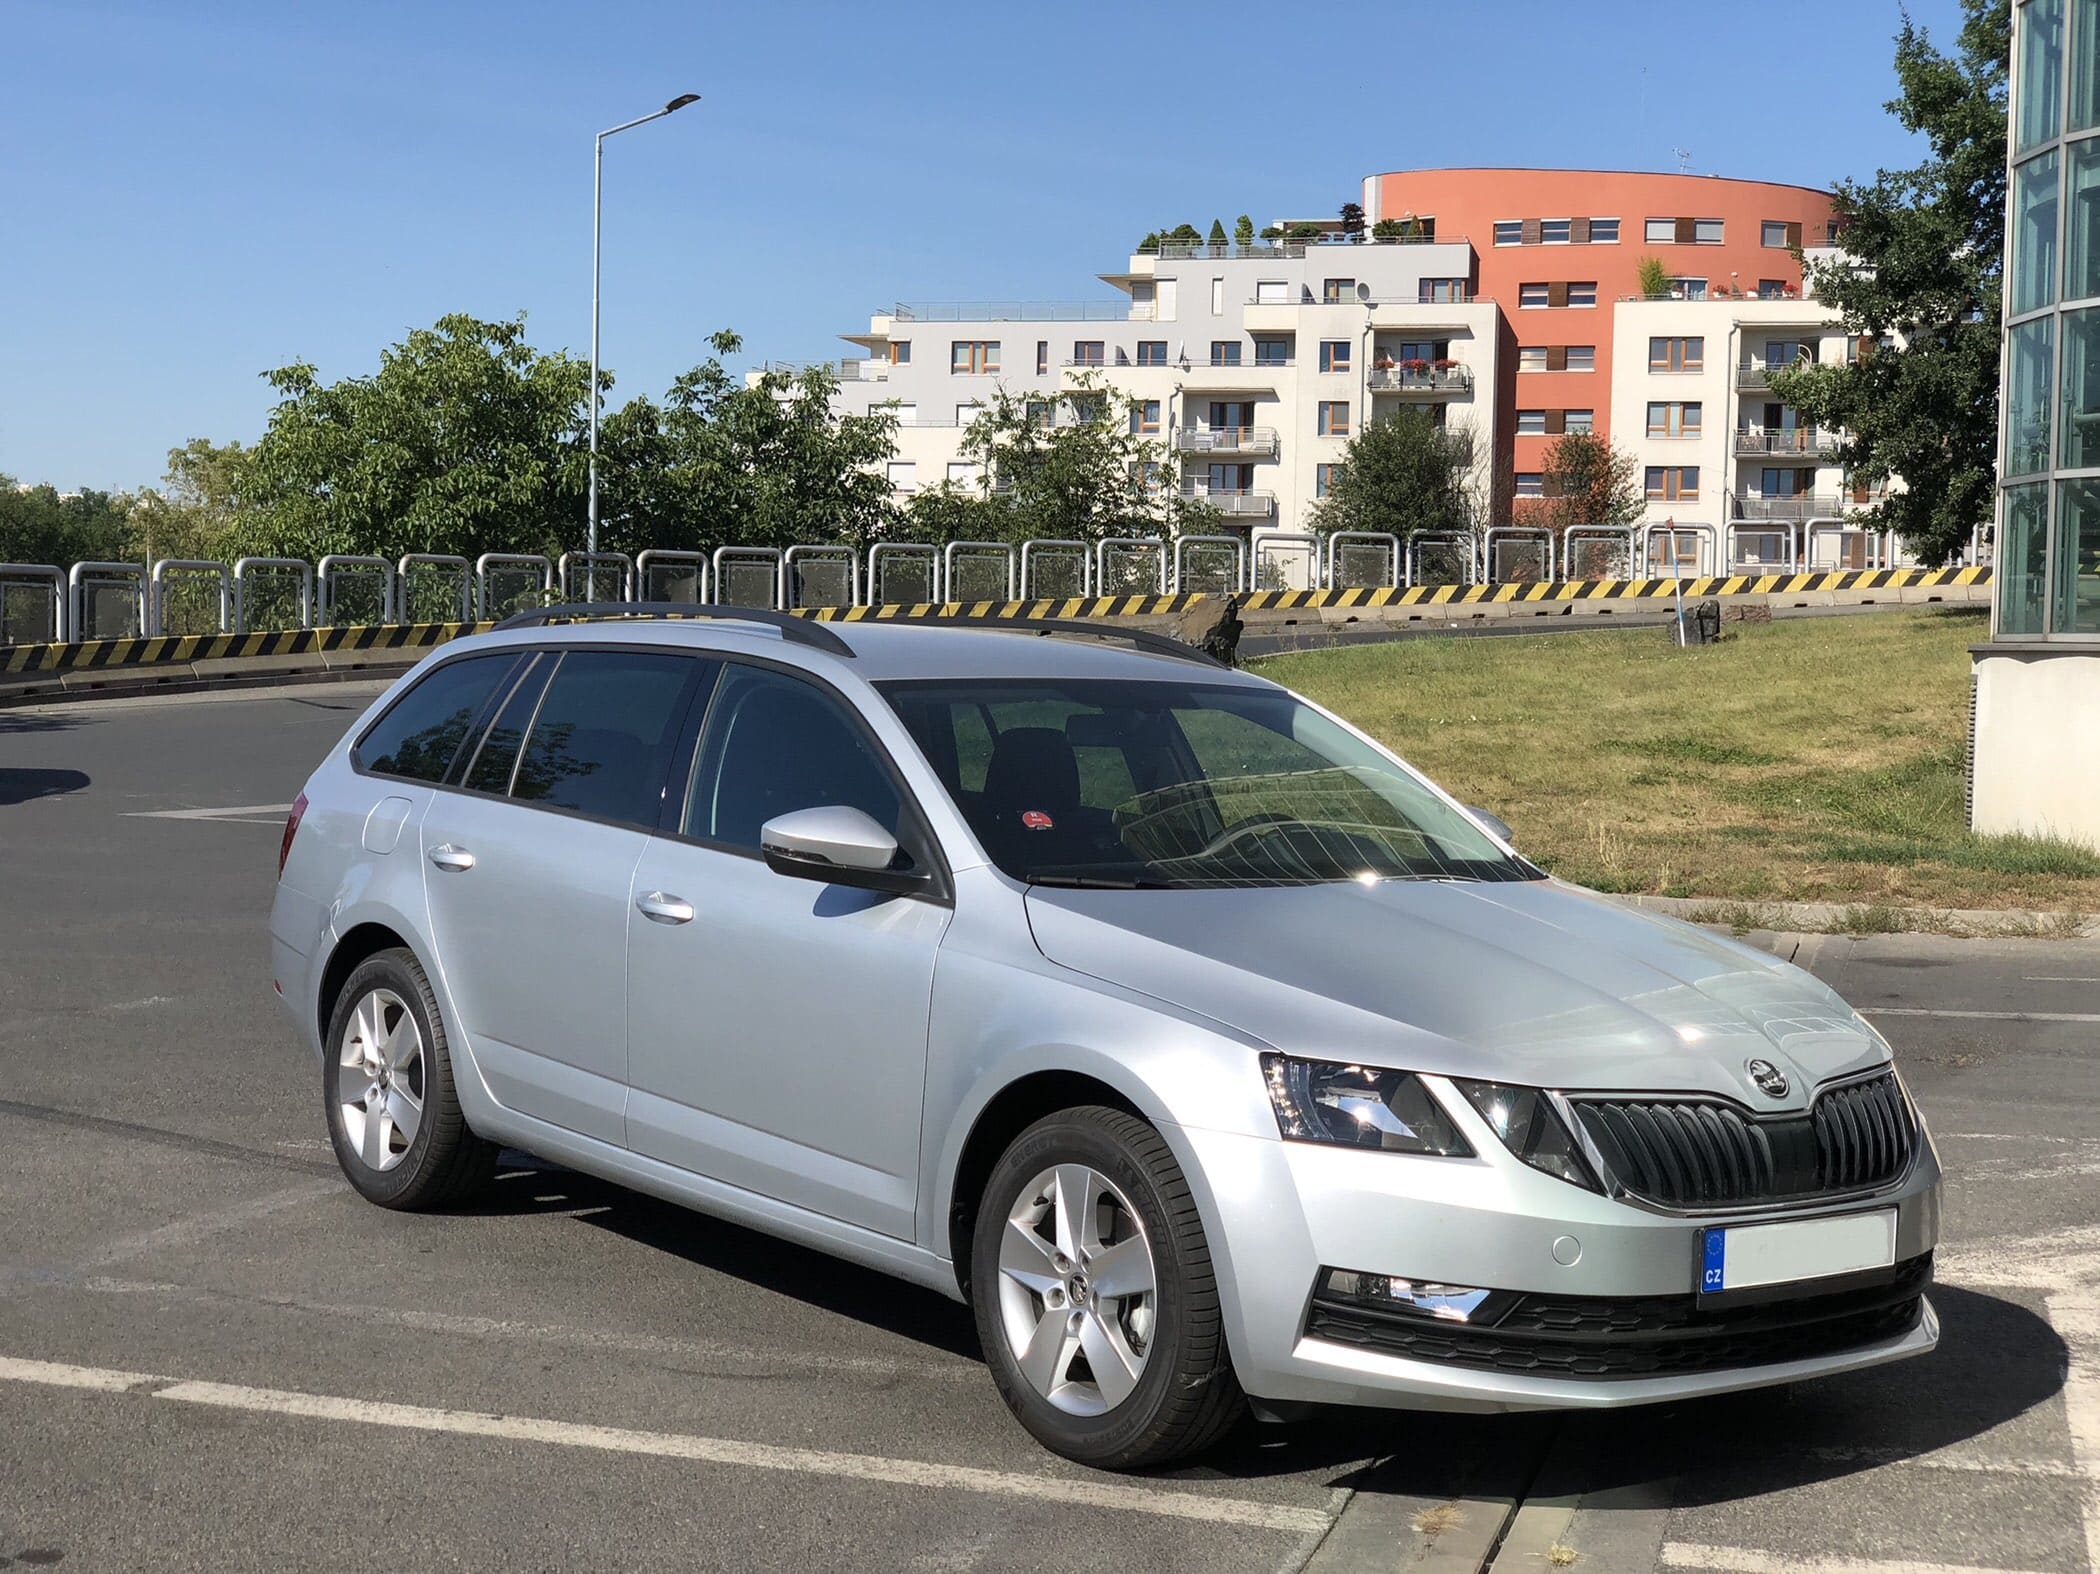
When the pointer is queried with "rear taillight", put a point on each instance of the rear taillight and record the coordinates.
(291, 829)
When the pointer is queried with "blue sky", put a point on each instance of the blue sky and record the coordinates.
(195, 193)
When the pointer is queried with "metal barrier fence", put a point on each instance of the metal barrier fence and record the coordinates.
(49, 603)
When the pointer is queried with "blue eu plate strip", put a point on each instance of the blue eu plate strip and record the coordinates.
(1714, 1275)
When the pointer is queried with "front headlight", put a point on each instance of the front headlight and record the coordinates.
(1525, 1120)
(1358, 1107)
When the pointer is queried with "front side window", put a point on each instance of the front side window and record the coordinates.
(602, 736)
(1164, 784)
(421, 732)
(775, 743)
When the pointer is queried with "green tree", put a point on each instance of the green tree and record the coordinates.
(39, 524)
(1352, 216)
(1918, 282)
(1217, 234)
(1651, 278)
(466, 440)
(1405, 474)
(727, 462)
(1243, 231)
(1587, 482)
(198, 509)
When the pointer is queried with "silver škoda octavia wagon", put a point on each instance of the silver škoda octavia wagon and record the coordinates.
(1214, 1056)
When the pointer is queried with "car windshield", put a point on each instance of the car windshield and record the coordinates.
(1132, 784)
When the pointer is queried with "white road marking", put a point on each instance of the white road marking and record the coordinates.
(2003, 1136)
(1947, 1459)
(1128, 1498)
(247, 814)
(1742, 1560)
(2076, 1316)
(2058, 978)
(1981, 1016)
(2046, 1262)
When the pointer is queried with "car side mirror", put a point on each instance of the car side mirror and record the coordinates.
(837, 845)
(1492, 823)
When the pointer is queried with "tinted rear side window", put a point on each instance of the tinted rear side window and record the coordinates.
(419, 736)
(497, 756)
(604, 734)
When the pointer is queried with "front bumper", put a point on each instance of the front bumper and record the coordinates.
(1282, 1212)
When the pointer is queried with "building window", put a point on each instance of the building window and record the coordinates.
(1224, 352)
(1042, 357)
(2034, 233)
(1582, 358)
(1334, 291)
(1088, 352)
(1152, 352)
(1217, 297)
(1580, 420)
(1583, 294)
(1663, 230)
(1144, 417)
(1684, 287)
(1778, 232)
(1677, 355)
(903, 475)
(1532, 294)
(2085, 70)
(1272, 352)
(2082, 223)
(2081, 390)
(1272, 292)
(1673, 417)
(964, 472)
(974, 355)
(900, 352)
(1334, 355)
(1323, 479)
(1553, 232)
(1509, 232)
(1334, 418)
(1041, 413)
(1531, 423)
(1437, 292)
(966, 413)
(2041, 72)
(2029, 374)
(1604, 232)
(1531, 358)
(1673, 483)
(1707, 232)
(1531, 483)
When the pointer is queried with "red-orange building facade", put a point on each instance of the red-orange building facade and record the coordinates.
(1544, 240)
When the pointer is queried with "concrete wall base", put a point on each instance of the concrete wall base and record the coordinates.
(2035, 762)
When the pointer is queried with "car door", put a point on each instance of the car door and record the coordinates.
(778, 1025)
(529, 866)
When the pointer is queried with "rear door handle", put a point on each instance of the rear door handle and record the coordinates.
(664, 909)
(451, 859)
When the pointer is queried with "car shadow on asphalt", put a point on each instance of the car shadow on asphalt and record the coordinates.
(19, 785)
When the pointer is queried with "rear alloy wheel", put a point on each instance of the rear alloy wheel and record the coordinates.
(392, 1115)
(1094, 1294)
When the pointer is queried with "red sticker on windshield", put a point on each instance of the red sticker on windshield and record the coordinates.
(1036, 820)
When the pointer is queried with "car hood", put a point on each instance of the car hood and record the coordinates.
(1532, 982)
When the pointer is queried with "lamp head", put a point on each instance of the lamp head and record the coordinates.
(681, 101)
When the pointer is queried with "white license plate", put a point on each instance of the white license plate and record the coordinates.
(1750, 1256)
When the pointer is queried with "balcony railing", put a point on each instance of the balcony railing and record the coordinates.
(1226, 440)
(1801, 441)
(1217, 364)
(1235, 504)
(1399, 380)
(1270, 250)
(1023, 311)
(1755, 505)
(1756, 377)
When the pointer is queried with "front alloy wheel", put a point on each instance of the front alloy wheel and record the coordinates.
(1095, 1299)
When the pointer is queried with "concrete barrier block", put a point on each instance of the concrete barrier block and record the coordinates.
(257, 666)
(134, 679)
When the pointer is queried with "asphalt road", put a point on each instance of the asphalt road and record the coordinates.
(213, 1355)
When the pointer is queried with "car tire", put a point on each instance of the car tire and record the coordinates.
(1030, 1289)
(386, 1083)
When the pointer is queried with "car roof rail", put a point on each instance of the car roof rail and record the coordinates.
(792, 627)
(1143, 639)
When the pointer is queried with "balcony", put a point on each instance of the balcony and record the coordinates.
(1235, 504)
(1257, 440)
(1023, 311)
(1755, 377)
(1797, 442)
(1427, 383)
(1800, 506)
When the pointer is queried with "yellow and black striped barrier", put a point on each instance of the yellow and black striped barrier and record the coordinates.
(90, 655)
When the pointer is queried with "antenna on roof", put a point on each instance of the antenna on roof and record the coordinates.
(1684, 160)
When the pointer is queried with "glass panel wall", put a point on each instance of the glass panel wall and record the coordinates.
(2022, 559)
(2077, 608)
(2041, 74)
(2081, 405)
(2085, 64)
(2082, 220)
(2034, 234)
(2030, 380)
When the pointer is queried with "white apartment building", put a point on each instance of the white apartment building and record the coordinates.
(1254, 364)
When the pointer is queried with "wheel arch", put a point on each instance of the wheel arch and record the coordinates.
(359, 944)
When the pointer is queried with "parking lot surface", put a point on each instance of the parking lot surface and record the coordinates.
(214, 1355)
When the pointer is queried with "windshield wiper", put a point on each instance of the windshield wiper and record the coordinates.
(1100, 882)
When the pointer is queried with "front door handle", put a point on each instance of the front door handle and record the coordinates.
(664, 909)
(451, 859)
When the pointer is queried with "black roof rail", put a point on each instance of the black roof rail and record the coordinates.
(1144, 639)
(796, 630)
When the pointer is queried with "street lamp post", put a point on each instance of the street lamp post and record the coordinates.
(597, 215)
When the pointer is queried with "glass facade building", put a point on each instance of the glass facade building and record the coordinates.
(2048, 550)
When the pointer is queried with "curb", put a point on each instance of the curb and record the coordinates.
(1873, 918)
